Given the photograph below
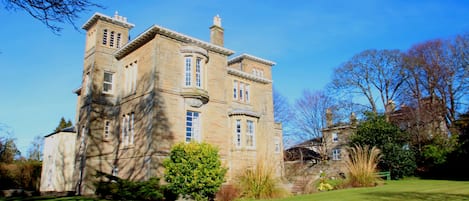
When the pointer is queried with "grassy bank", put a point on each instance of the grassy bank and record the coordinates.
(420, 190)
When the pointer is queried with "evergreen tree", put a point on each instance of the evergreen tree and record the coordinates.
(398, 157)
(63, 124)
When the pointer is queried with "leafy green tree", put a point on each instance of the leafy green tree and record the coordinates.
(194, 170)
(63, 124)
(393, 143)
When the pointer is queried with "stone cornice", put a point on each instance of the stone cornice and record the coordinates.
(106, 18)
(244, 112)
(155, 29)
(254, 58)
(248, 76)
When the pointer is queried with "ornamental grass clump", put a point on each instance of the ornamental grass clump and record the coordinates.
(362, 166)
(260, 182)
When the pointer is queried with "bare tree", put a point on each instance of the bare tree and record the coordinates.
(52, 12)
(35, 149)
(374, 74)
(283, 114)
(438, 71)
(310, 114)
(282, 109)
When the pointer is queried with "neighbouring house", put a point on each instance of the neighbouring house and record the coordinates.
(305, 162)
(58, 161)
(423, 120)
(139, 97)
(331, 146)
(336, 139)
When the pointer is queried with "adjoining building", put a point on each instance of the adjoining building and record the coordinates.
(139, 97)
(58, 161)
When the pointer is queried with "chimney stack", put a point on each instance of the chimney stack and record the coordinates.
(353, 119)
(216, 32)
(328, 117)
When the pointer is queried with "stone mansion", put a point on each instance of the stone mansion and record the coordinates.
(139, 97)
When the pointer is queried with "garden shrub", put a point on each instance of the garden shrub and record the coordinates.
(121, 189)
(21, 174)
(193, 170)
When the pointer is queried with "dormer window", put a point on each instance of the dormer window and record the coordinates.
(335, 137)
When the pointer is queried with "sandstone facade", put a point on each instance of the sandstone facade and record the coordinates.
(140, 97)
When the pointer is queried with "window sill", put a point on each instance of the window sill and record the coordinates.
(244, 149)
(195, 97)
(127, 146)
(128, 95)
(108, 93)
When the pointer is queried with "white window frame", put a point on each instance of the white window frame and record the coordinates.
(108, 83)
(238, 133)
(235, 90)
(335, 137)
(187, 71)
(193, 125)
(250, 134)
(107, 129)
(128, 129)
(277, 146)
(115, 171)
(198, 72)
(131, 73)
(247, 93)
(87, 83)
(132, 127)
(134, 77)
(336, 154)
(125, 133)
(241, 88)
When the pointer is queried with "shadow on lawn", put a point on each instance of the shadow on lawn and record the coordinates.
(381, 196)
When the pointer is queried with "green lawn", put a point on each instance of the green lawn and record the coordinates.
(404, 190)
(74, 198)
(432, 190)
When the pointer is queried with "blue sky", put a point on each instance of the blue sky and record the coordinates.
(307, 39)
